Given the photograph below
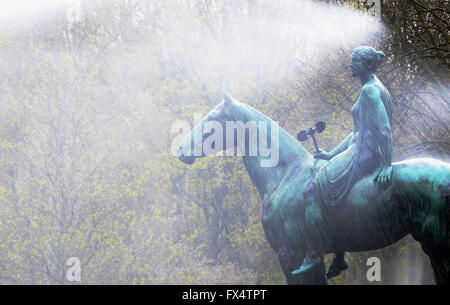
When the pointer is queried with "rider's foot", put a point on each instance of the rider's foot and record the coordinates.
(338, 265)
(309, 262)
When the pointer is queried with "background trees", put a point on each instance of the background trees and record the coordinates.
(89, 93)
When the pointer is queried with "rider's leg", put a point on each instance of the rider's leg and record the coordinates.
(310, 189)
(313, 255)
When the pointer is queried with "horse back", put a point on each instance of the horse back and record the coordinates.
(416, 201)
(425, 175)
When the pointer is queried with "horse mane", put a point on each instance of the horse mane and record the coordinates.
(289, 142)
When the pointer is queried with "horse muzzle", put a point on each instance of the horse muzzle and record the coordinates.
(187, 159)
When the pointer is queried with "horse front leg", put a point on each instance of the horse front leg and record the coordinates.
(290, 261)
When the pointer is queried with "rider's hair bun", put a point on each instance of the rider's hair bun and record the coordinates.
(381, 56)
(371, 56)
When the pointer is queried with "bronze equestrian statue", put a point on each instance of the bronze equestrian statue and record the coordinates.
(367, 149)
(351, 199)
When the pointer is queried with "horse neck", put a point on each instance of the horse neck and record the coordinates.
(267, 179)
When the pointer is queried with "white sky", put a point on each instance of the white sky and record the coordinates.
(14, 10)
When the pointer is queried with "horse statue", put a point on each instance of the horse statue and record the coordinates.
(371, 218)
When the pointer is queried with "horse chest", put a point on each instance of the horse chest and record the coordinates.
(277, 207)
(280, 211)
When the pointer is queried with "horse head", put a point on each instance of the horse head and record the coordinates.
(209, 136)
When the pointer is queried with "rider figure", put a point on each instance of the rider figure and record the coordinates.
(366, 150)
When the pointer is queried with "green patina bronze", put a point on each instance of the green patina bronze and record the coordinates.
(356, 201)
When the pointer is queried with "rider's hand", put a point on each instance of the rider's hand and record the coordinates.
(322, 155)
(384, 177)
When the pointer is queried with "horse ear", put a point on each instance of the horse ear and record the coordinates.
(227, 98)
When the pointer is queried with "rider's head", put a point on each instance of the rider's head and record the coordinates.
(365, 60)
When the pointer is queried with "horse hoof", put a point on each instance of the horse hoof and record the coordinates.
(336, 268)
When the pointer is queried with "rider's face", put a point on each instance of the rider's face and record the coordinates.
(356, 65)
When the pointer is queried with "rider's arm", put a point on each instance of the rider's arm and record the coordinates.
(341, 147)
(377, 122)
